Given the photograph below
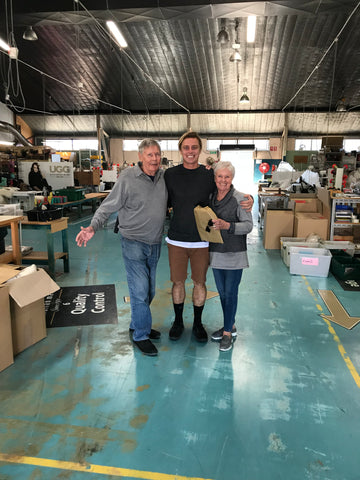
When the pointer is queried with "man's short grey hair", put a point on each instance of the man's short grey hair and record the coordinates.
(222, 165)
(148, 142)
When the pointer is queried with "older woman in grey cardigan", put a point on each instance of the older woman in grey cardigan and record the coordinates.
(228, 259)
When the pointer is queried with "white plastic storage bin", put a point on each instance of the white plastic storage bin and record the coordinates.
(314, 262)
(348, 247)
(287, 242)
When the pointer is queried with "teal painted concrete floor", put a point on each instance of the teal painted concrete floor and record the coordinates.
(283, 404)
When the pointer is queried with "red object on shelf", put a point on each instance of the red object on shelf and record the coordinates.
(264, 167)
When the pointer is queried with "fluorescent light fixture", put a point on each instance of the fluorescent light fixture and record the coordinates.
(4, 45)
(4, 142)
(116, 33)
(251, 28)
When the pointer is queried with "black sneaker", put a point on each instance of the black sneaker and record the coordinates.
(154, 334)
(176, 330)
(146, 347)
(226, 343)
(199, 333)
(219, 333)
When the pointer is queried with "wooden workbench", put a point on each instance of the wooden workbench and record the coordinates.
(49, 258)
(15, 255)
(89, 198)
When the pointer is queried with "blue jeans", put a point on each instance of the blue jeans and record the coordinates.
(227, 284)
(140, 261)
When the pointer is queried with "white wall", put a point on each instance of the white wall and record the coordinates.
(243, 163)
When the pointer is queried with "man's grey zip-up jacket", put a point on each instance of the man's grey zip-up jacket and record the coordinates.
(141, 205)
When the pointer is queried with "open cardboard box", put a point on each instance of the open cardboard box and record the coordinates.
(6, 348)
(27, 307)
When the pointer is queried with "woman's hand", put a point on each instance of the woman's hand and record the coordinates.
(220, 224)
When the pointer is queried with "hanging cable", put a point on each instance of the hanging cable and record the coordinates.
(70, 86)
(133, 61)
(323, 57)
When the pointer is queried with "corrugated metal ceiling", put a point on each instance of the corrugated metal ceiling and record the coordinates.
(174, 73)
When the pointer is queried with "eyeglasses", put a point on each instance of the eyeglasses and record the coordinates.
(210, 224)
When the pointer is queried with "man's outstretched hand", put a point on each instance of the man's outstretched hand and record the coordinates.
(84, 236)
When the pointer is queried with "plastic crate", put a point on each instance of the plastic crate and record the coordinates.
(38, 215)
(345, 267)
(71, 194)
(339, 245)
(314, 262)
(287, 242)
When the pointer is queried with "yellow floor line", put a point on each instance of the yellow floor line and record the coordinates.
(341, 348)
(91, 468)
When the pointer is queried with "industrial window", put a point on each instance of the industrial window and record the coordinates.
(309, 144)
(71, 144)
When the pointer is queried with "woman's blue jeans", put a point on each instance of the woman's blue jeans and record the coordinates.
(140, 261)
(227, 284)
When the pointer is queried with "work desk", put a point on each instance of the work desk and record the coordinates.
(12, 222)
(49, 257)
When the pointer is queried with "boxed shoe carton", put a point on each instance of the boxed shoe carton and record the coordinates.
(278, 223)
(6, 348)
(311, 223)
(27, 309)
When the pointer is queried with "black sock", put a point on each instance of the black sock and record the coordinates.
(178, 309)
(197, 314)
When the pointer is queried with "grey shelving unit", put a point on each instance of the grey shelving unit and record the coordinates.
(342, 200)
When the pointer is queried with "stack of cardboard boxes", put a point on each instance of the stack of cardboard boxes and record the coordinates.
(306, 214)
(22, 320)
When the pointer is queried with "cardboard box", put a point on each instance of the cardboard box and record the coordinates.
(311, 205)
(278, 223)
(27, 307)
(88, 178)
(6, 348)
(323, 195)
(311, 223)
(306, 202)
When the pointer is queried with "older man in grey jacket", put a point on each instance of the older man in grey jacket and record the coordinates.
(140, 198)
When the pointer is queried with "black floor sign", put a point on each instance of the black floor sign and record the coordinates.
(85, 305)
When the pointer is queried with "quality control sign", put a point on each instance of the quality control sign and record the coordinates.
(83, 305)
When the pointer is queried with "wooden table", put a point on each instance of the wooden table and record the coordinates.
(12, 222)
(51, 227)
(89, 198)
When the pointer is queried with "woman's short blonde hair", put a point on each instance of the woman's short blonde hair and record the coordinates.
(223, 165)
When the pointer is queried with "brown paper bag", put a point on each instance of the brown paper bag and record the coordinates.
(203, 215)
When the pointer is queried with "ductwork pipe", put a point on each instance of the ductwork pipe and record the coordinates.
(7, 127)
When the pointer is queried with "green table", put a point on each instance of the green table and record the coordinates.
(49, 258)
